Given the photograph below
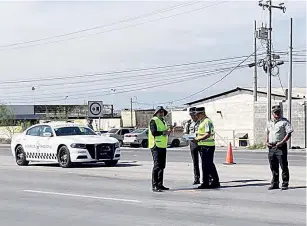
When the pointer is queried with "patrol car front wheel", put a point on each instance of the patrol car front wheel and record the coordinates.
(21, 156)
(64, 157)
(111, 162)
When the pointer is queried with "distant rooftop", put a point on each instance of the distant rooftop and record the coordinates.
(297, 93)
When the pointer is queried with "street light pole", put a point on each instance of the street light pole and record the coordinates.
(269, 6)
(269, 66)
(131, 112)
(290, 78)
(255, 61)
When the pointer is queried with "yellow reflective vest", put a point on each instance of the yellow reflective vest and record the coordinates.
(201, 131)
(159, 141)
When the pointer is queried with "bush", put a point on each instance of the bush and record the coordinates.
(5, 141)
(257, 146)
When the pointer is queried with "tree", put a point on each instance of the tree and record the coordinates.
(9, 125)
(8, 122)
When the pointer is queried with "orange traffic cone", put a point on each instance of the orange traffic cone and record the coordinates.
(229, 157)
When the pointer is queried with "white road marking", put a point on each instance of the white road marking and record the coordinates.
(82, 196)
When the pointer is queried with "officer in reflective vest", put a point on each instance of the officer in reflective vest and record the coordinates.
(206, 143)
(158, 133)
(191, 128)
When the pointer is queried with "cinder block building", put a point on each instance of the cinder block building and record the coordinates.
(239, 120)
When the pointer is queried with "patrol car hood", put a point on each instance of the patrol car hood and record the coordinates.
(90, 139)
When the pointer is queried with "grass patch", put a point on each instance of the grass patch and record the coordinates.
(257, 146)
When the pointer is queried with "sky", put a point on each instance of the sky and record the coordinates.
(112, 61)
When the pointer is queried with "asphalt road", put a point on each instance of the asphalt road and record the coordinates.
(97, 195)
(183, 155)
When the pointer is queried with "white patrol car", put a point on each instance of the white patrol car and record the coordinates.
(64, 143)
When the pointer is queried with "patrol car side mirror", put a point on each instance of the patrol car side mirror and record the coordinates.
(47, 134)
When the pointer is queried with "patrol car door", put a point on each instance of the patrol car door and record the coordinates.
(31, 140)
(45, 139)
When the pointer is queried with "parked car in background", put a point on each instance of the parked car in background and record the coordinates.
(118, 134)
(139, 137)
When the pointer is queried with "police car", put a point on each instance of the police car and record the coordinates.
(64, 143)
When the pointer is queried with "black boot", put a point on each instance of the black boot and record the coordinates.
(214, 184)
(196, 181)
(284, 186)
(203, 186)
(273, 186)
(163, 188)
(155, 189)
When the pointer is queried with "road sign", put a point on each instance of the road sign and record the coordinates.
(95, 109)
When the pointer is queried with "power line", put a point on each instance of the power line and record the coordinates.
(114, 80)
(118, 72)
(117, 29)
(105, 25)
(155, 85)
(128, 70)
(202, 90)
(124, 71)
(123, 85)
(172, 82)
(186, 76)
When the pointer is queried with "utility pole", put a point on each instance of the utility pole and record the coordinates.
(269, 6)
(255, 61)
(131, 112)
(290, 78)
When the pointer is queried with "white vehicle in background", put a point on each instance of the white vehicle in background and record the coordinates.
(139, 137)
(64, 143)
(118, 134)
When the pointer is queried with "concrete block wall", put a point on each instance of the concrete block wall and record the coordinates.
(260, 121)
(298, 122)
(231, 116)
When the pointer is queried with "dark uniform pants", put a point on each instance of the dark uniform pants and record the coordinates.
(279, 156)
(195, 157)
(208, 166)
(159, 160)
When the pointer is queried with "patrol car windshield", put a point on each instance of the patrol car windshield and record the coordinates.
(73, 131)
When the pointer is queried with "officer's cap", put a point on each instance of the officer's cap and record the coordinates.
(192, 110)
(160, 108)
(200, 110)
(276, 108)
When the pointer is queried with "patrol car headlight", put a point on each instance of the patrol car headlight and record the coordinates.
(80, 146)
(117, 145)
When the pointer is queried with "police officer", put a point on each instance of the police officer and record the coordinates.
(90, 123)
(191, 128)
(206, 143)
(157, 141)
(278, 132)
